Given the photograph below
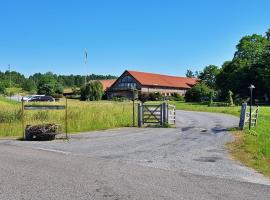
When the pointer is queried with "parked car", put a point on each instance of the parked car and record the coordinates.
(27, 98)
(41, 98)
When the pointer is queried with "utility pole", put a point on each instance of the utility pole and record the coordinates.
(9, 81)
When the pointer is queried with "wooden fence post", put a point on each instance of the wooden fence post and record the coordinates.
(243, 116)
(23, 128)
(161, 114)
(139, 115)
(165, 112)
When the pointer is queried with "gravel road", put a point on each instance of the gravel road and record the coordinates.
(186, 162)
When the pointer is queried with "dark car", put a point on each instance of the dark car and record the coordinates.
(41, 98)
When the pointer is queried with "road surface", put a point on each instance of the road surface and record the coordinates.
(186, 162)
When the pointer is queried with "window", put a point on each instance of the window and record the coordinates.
(126, 82)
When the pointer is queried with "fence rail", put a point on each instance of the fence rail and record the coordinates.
(246, 118)
(156, 114)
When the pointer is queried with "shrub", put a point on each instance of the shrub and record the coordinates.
(119, 98)
(198, 93)
(143, 97)
(177, 97)
(157, 96)
(229, 98)
(2, 88)
(93, 91)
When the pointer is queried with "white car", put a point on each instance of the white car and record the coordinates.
(28, 98)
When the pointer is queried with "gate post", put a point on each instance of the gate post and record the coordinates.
(165, 113)
(139, 115)
(161, 114)
(243, 116)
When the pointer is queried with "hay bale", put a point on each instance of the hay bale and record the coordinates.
(41, 132)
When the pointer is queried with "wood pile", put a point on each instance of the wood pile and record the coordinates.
(41, 132)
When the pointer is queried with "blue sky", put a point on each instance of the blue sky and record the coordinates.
(162, 36)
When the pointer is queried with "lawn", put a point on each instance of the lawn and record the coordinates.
(82, 116)
(250, 147)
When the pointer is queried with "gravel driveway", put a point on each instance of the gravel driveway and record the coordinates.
(186, 162)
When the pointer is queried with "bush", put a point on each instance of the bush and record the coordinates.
(177, 97)
(119, 98)
(198, 93)
(143, 97)
(229, 98)
(2, 88)
(47, 89)
(157, 96)
(93, 91)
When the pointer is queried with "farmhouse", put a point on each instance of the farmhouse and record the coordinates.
(149, 83)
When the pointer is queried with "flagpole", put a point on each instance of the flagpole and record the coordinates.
(85, 62)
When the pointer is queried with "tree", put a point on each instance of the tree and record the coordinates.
(191, 74)
(93, 91)
(249, 65)
(198, 93)
(209, 75)
(2, 88)
(29, 85)
(46, 89)
(268, 35)
(250, 49)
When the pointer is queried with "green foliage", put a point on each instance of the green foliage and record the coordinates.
(230, 98)
(12, 91)
(47, 89)
(191, 74)
(48, 85)
(2, 88)
(250, 65)
(155, 96)
(143, 97)
(177, 97)
(39, 82)
(198, 93)
(119, 98)
(29, 85)
(209, 75)
(93, 91)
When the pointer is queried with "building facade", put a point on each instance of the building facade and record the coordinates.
(131, 81)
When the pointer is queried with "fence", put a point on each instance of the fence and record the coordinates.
(156, 114)
(247, 117)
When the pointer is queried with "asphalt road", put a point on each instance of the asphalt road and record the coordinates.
(187, 162)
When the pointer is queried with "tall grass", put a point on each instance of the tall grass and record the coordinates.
(82, 116)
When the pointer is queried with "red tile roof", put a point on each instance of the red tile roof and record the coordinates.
(150, 79)
(107, 83)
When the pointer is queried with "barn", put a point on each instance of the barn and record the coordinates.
(148, 83)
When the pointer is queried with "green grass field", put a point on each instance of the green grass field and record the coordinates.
(82, 116)
(250, 147)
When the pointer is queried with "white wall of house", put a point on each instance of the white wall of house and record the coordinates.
(166, 91)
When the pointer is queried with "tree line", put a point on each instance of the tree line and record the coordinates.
(47, 83)
(250, 65)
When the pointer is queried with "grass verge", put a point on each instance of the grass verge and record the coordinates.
(82, 116)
